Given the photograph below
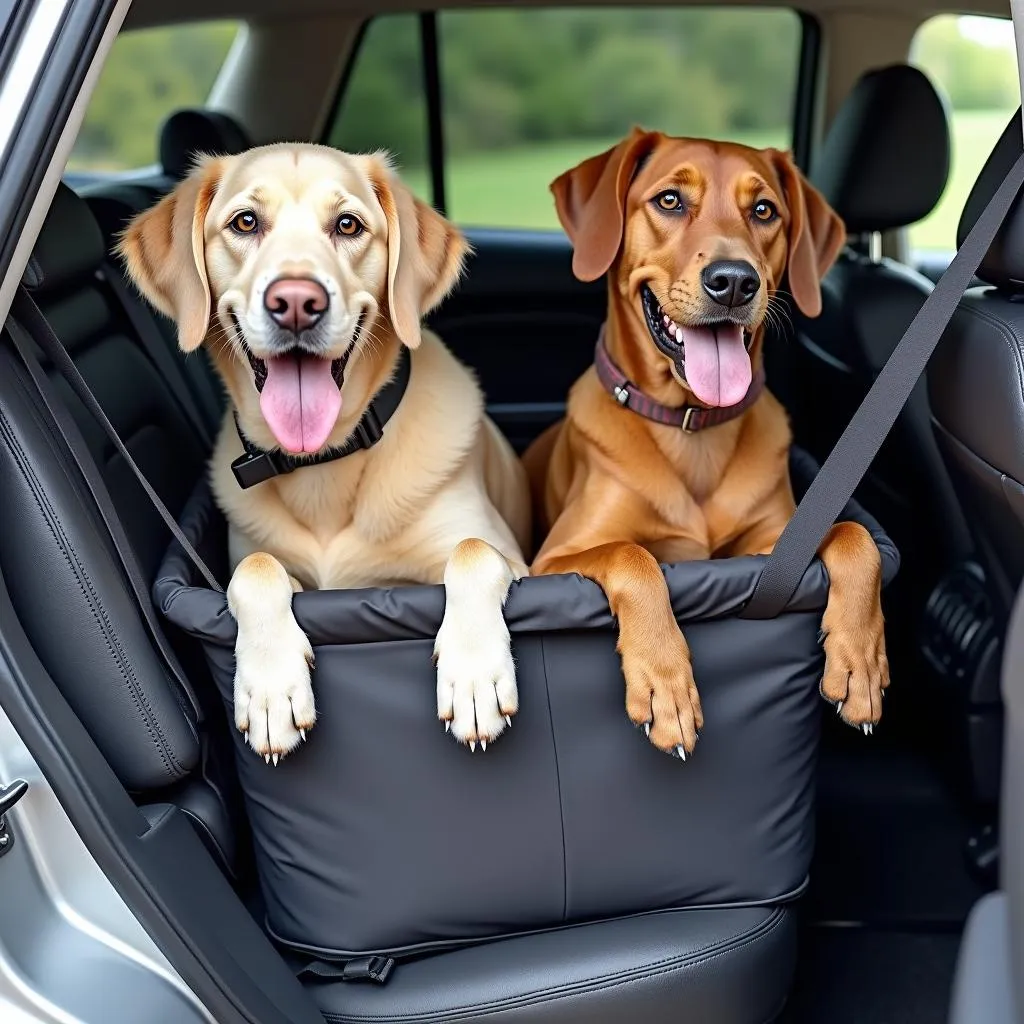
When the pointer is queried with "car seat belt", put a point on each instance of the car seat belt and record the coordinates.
(28, 314)
(148, 331)
(833, 487)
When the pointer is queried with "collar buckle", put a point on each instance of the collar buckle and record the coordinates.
(369, 430)
(688, 425)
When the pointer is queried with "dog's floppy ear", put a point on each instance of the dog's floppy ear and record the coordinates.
(425, 252)
(591, 198)
(164, 249)
(816, 235)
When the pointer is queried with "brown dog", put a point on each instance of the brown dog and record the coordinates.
(671, 449)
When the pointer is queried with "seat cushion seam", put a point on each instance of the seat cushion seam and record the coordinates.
(667, 965)
(117, 654)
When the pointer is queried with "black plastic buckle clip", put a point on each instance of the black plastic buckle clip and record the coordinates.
(250, 470)
(369, 430)
(368, 968)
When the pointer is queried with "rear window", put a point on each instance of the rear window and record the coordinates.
(149, 74)
(971, 60)
(525, 94)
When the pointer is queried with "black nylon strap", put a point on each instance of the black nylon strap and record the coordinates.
(376, 969)
(149, 333)
(843, 470)
(31, 318)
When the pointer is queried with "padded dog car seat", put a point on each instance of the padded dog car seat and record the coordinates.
(731, 966)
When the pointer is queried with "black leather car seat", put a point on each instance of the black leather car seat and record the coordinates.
(730, 966)
(883, 165)
(976, 388)
(56, 555)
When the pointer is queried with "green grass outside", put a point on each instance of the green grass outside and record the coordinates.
(509, 188)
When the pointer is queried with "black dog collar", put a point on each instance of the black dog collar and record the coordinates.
(257, 465)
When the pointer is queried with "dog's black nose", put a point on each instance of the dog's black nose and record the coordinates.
(730, 283)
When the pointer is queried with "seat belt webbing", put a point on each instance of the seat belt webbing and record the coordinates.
(833, 487)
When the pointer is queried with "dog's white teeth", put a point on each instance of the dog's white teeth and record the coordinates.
(679, 334)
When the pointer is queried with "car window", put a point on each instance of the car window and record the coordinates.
(972, 62)
(383, 105)
(527, 93)
(149, 74)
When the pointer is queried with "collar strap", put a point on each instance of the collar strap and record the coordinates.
(257, 464)
(690, 418)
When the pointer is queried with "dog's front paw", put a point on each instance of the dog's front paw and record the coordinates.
(476, 677)
(273, 694)
(661, 695)
(856, 671)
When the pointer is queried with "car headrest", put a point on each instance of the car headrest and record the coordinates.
(188, 132)
(1003, 265)
(70, 247)
(885, 161)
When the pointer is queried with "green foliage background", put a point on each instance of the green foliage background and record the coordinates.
(528, 92)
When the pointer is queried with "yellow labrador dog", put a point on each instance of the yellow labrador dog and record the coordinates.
(306, 272)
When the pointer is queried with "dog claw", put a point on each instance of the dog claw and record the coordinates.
(246, 738)
(647, 729)
(868, 729)
(448, 726)
(267, 757)
(302, 733)
(508, 721)
(472, 746)
(483, 745)
(681, 752)
(839, 707)
(821, 636)
(276, 757)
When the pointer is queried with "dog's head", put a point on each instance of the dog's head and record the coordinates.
(288, 260)
(698, 236)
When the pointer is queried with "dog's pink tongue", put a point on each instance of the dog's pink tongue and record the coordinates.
(300, 402)
(717, 364)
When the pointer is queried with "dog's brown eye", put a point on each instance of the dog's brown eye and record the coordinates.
(765, 211)
(245, 223)
(669, 200)
(349, 226)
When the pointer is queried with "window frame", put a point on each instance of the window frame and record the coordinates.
(804, 112)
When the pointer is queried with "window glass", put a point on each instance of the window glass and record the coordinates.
(528, 93)
(149, 74)
(971, 61)
(384, 104)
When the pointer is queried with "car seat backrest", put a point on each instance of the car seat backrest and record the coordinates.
(976, 386)
(884, 164)
(187, 133)
(59, 563)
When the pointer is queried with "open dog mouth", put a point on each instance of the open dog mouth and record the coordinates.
(300, 393)
(712, 358)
